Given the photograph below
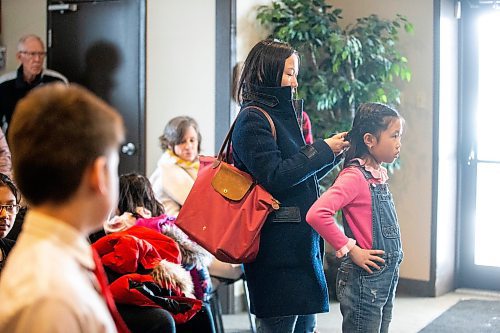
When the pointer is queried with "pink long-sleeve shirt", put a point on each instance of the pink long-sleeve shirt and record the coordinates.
(351, 193)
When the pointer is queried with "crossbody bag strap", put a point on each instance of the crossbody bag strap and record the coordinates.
(224, 151)
(269, 119)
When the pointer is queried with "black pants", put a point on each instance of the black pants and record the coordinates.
(155, 320)
(202, 322)
(147, 320)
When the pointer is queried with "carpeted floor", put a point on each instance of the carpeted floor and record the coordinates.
(478, 316)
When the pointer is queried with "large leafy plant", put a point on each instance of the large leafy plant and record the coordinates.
(341, 66)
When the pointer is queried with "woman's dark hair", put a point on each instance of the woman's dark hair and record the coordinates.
(264, 65)
(136, 191)
(174, 132)
(6, 181)
(372, 118)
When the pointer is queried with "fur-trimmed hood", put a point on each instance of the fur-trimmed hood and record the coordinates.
(147, 271)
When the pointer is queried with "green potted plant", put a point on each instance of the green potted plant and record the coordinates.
(342, 66)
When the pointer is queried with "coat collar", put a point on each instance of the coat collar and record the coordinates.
(268, 96)
(277, 98)
(21, 84)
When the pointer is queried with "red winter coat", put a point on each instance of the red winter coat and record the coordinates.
(135, 250)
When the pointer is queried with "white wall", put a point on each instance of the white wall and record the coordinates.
(180, 61)
(445, 231)
(20, 17)
(248, 31)
(180, 69)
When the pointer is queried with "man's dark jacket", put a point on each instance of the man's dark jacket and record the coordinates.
(13, 88)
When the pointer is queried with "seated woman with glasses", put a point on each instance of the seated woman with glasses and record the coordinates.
(9, 206)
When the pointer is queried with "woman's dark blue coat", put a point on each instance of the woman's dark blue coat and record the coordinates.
(287, 278)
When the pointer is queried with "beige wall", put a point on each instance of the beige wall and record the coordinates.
(412, 185)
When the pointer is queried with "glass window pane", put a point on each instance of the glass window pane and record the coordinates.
(488, 112)
(487, 242)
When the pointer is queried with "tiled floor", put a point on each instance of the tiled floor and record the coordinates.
(410, 315)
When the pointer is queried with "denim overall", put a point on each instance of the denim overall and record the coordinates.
(366, 300)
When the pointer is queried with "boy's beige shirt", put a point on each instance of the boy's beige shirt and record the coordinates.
(47, 284)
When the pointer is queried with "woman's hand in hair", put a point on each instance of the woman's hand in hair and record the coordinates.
(366, 259)
(338, 143)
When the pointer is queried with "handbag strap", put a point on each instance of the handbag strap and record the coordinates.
(224, 151)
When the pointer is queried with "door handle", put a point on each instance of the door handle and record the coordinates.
(128, 149)
(472, 157)
(63, 7)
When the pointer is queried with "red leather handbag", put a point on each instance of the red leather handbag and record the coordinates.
(226, 209)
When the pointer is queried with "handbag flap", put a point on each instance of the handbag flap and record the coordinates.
(231, 183)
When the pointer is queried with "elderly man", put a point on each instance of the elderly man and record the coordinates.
(15, 85)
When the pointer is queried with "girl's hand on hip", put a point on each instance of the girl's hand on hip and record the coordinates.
(366, 258)
(338, 143)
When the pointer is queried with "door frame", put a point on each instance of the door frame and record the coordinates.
(469, 274)
(225, 60)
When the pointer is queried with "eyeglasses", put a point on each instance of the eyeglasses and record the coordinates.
(33, 54)
(10, 209)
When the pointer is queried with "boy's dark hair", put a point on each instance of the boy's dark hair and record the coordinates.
(372, 118)
(174, 132)
(7, 182)
(136, 191)
(264, 65)
(57, 131)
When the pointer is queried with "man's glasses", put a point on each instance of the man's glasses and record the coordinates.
(33, 54)
(10, 209)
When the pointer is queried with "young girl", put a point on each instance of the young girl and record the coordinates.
(178, 166)
(9, 206)
(370, 248)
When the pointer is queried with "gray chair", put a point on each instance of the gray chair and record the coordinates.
(215, 303)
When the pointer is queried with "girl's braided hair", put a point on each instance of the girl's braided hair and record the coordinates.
(372, 118)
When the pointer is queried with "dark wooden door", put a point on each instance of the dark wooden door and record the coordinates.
(101, 45)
